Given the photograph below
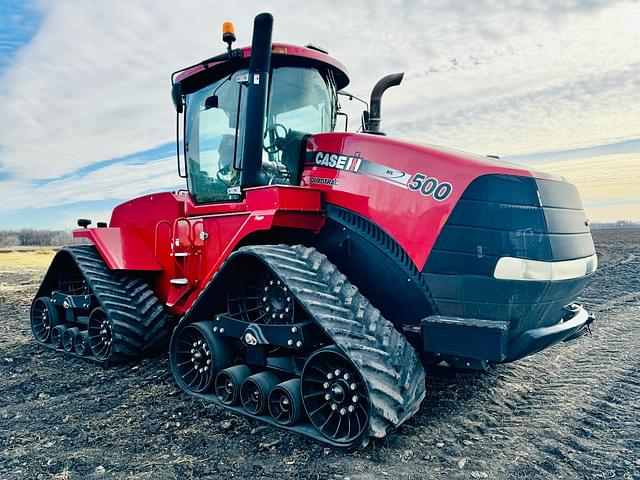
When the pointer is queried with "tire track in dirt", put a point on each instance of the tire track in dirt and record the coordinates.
(592, 385)
(569, 412)
(575, 400)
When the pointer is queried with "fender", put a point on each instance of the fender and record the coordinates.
(121, 248)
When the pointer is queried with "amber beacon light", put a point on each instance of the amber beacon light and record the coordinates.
(228, 33)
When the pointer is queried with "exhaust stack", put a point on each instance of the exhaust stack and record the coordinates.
(375, 105)
(259, 66)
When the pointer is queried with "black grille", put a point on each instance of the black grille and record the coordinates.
(508, 216)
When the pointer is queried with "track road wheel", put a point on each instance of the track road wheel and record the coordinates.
(285, 402)
(254, 392)
(335, 396)
(228, 382)
(81, 343)
(44, 316)
(69, 339)
(196, 356)
(56, 336)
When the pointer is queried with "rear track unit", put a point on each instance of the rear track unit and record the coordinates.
(87, 310)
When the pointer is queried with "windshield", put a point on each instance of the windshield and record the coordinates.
(215, 115)
(300, 102)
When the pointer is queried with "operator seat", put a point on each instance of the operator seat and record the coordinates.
(293, 155)
(225, 153)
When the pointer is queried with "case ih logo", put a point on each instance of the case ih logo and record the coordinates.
(341, 162)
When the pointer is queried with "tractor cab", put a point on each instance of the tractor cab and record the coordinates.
(252, 112)
(301, 101)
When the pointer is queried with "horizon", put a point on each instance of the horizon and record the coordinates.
(550, 87)
(616, 224)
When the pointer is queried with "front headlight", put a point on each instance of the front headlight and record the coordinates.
(510, 268)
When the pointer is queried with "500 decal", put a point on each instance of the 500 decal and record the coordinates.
(430, 186)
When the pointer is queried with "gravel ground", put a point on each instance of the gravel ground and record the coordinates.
(569, 412)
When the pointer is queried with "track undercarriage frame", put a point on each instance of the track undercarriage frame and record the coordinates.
(307, 352)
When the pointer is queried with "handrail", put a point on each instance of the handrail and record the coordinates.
(155, 239)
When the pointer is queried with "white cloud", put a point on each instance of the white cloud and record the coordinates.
(93, 83)
(113, 182)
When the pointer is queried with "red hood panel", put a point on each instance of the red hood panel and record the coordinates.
(407, 189)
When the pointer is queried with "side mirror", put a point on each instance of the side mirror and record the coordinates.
(176, 95)
(211, 102)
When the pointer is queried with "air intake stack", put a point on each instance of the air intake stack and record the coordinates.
(259, 66)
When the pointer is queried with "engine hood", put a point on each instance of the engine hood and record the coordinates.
(407, 189)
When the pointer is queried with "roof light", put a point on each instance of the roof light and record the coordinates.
(228, 33)
(510, 268)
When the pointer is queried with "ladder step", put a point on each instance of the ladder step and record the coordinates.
(179, 281)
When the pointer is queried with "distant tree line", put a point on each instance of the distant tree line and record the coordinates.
(30, 237)
(616, 224)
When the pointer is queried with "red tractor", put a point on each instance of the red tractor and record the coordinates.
(306, 275)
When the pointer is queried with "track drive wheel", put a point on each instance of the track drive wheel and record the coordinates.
(44, 316)
(196, 356)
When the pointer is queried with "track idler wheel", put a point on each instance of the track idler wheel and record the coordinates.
(196, 355)
(285, 402)
(254, 392)
(100, 334)
(44, 317)
(56, 336)
(81, 343)
(334, 395)
(69, 339)
(228, 383)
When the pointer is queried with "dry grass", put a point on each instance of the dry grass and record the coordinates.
(20, 258)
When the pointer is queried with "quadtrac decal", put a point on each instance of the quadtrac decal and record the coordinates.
(324, 181)
(425, 185)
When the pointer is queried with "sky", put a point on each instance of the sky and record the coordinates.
(87, 120)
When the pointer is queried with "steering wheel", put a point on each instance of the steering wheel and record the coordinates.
(276, 135)
(229, 177)
(222, 179)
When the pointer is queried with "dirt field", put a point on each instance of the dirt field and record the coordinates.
(570, 412)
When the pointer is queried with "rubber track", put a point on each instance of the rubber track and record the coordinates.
(140, 323)
(389, 365)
